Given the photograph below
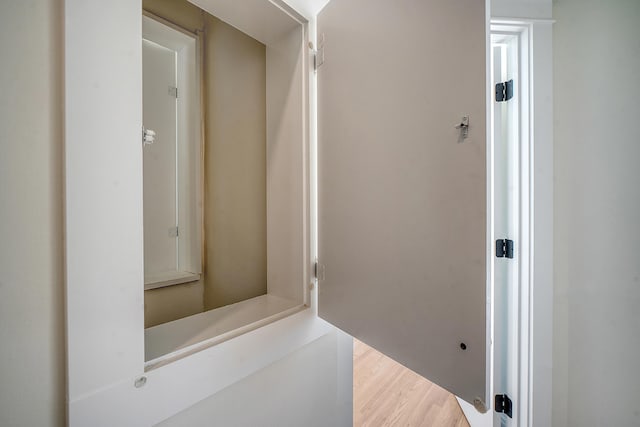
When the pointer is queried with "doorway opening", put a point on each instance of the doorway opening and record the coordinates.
(509, 107)
(510, 81)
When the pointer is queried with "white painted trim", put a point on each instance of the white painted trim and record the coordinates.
(517, 36)
(520, 21)
(537, 238)
(104, 245)
(541, 299)
(171, 24)
(171, 341)
(103, 241)
(169, 279)
(284, 6)
(312, 103)
(174, 387)
(525, 259)
(490, 173)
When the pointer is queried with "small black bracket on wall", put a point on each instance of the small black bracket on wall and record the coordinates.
(504, 248)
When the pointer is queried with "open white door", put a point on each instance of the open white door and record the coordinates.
(159, 112)
(402, 193)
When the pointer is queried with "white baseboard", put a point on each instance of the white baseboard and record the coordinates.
(475, 418)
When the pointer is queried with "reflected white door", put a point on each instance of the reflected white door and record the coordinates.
(402, 194)
(160, 199)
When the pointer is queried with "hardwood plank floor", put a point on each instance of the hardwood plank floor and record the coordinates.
(386, 393)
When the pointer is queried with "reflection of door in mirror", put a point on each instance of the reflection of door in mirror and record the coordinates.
(172, 232)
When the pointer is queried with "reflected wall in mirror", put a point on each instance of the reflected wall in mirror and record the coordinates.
(205, 193)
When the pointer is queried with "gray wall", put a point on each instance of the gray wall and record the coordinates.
(597, 213)
(32, 368)
(235, 189)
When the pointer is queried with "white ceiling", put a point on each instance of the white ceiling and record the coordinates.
(307, 8)
(263, 20)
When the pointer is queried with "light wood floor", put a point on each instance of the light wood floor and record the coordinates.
(386, 393)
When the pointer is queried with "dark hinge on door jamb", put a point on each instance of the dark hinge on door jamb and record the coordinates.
(504, 405)
(504, 248)
(504, 91)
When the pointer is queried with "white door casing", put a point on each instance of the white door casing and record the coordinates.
(506, 225)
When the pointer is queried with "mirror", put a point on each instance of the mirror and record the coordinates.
(172, 163)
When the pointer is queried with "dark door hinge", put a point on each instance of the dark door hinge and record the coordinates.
(504, 248)
(504, 405)
(504, 91)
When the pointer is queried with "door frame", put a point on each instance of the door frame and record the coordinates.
(516, 37)
(189, 244)
(534, 361)
(535, 248)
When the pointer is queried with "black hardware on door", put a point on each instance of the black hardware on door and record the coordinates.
(503, 404)
(504, 248)
(504, 91)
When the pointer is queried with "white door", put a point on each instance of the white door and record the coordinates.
(402, 193)
(159, 111)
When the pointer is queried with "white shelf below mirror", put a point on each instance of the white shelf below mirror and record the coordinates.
(170, 278)
(170, 341)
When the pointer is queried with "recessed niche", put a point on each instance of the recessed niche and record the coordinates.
(247, 241)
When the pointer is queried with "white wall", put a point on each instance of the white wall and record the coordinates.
(531, 9)
(32, 366)
(593, 168)
(597, 200)
(311, 387)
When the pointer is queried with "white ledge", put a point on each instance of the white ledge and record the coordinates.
(169, 279)
(174, 340)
